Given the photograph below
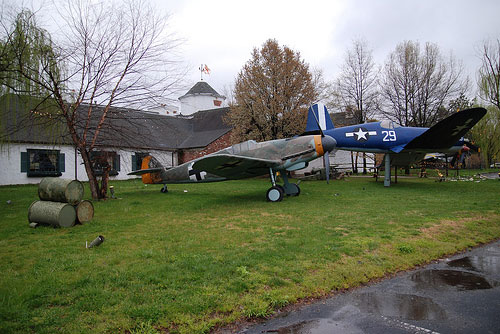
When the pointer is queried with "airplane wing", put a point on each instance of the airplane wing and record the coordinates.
(146, 171)
(448, 131)
(404, 158)
(234, 166)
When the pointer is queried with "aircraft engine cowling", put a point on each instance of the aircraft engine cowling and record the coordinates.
(324, 144)
(150, 178)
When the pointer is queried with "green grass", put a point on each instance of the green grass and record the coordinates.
(190, 261)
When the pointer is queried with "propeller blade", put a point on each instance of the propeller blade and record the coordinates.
(317, 121)
(326, 156)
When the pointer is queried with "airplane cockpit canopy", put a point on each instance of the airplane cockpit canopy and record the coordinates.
(386, 124)
(241, 147)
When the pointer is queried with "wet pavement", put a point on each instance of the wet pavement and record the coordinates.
(456, 295)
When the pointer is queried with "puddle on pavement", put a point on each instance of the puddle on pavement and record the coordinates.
(300, 328)
(482, 264)
(404, 306)
(318, 326)
(459, 280)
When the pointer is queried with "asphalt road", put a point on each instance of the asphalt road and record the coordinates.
(456, 295)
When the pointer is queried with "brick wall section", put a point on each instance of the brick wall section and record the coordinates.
(219, 144)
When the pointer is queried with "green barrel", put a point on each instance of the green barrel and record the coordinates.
(84, 211)
(60, 190)
(53, 213)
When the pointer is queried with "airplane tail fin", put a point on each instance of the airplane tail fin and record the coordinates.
(318, 114)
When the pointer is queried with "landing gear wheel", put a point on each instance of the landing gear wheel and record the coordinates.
(164, 189)
(275, 194)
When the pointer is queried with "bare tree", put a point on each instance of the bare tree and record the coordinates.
(114, 54)
(489, 73)
(417, 85)
(357, 86)
(272, 93)
(357, 83)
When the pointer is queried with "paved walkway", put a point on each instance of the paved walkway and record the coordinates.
(456, 295)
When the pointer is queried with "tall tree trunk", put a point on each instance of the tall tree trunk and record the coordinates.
(93, 183)
(104, 182)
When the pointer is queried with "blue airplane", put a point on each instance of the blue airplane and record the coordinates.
(402, 145)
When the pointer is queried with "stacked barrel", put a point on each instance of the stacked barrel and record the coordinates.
(60, 203)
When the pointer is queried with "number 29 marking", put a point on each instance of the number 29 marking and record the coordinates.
(389, 135)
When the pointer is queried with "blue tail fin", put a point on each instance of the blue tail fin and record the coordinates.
(320, 116)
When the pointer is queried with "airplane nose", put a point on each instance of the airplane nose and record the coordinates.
(328, 143)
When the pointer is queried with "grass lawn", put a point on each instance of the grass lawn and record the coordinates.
(189, 262)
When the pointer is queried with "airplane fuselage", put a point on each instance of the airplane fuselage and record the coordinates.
(379, 137)
(287, 154)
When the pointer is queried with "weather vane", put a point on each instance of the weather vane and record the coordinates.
(204, 69)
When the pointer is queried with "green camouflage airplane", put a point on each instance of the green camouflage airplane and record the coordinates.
(244, 160)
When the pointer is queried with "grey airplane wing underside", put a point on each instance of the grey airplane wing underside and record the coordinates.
(404, 158)
(235, 166)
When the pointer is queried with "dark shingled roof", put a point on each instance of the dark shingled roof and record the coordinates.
(202, 88)
(124, 128)
(207, 126)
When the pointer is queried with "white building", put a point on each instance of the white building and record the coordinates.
(31, 150)
(200, 97)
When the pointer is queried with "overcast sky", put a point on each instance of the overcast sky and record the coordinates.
(223, 33)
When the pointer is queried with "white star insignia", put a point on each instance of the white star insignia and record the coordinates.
(361, 134)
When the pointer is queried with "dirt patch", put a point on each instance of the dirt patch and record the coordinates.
(453, 225)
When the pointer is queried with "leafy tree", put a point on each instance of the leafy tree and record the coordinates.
(418, 84)
(27, 55)
(486, 134)
(115, 54)
(29, 47)
(272, 94)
